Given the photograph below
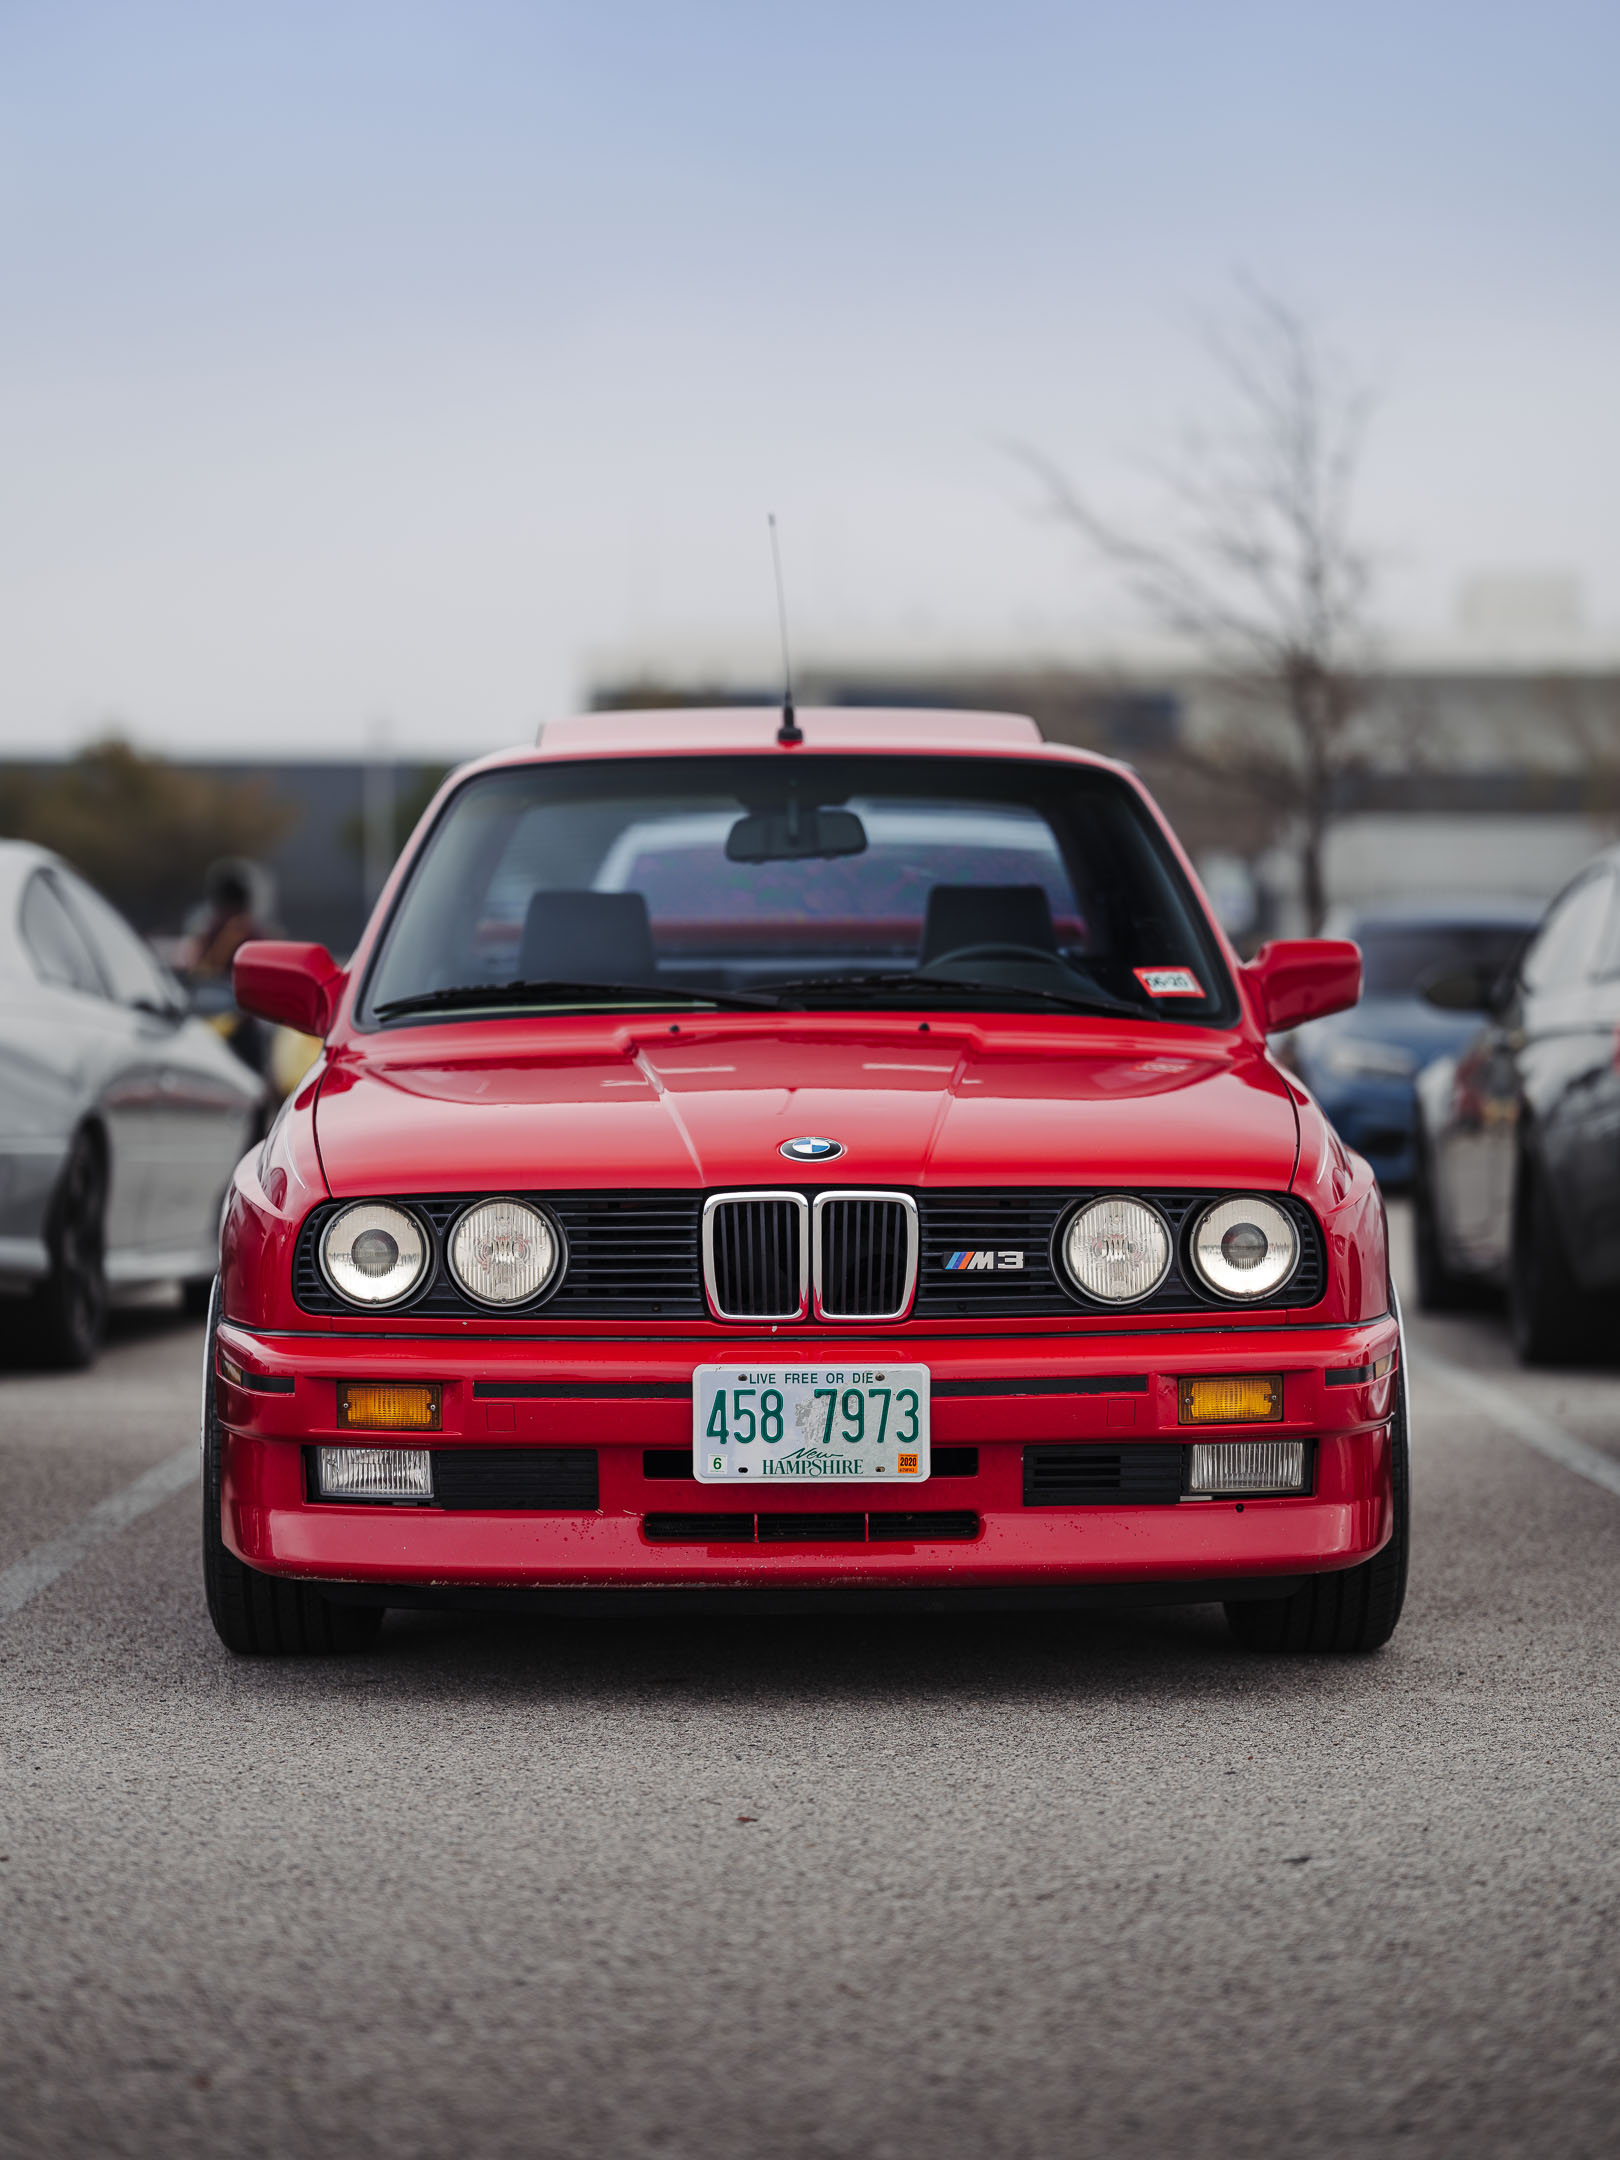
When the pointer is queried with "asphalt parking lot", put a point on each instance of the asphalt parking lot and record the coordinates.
(1011, 1886)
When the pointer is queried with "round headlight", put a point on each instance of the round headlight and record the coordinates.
(1245, 1248)
(1117, 1250)
(374, 1254)
(503, 1252)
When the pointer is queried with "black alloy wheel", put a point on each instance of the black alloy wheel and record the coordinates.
(1439, 1287)
(254, 1614)
(1552, 1319)
(70, 1305)
(1353, 1609)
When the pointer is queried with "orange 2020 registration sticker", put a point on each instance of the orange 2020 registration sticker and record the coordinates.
(1169, 982)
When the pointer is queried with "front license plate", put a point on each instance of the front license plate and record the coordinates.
(844, 1422)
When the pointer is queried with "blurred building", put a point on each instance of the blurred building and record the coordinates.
(1474, 775)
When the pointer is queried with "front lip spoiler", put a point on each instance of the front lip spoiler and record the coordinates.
(706, 1600)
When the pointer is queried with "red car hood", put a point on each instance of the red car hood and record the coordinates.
(506, 1108)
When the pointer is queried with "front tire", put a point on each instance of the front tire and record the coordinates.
(1354, 1610)
(258, 1615)
(70, 1305)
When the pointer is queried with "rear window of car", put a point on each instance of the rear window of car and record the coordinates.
(1396, 957)
(768, 876)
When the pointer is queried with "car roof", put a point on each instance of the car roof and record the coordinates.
(721, 728)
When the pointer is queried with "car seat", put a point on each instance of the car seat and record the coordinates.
(587, 937)
(960, 915)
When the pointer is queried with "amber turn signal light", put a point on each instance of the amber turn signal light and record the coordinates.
(388, 1405)
(1231, 1399)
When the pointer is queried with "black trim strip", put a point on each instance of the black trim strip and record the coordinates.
(1360, 1375)
(680, 1390)
(581, 1391)
(1072, 1384)
(999, 1329)
(258, 1383)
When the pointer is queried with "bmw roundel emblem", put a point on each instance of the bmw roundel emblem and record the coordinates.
(812, 1148)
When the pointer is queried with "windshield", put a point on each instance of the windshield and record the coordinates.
(802, 883)
(1396, 957)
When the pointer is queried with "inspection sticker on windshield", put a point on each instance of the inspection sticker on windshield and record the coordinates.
(1169, 982)
(762, 1423)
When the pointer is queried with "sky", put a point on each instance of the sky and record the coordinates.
(390, 372)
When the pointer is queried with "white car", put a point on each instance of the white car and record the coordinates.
(121, 1115)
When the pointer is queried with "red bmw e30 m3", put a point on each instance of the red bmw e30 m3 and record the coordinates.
(787, 1163)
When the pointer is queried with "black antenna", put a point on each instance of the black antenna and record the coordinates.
(790, 732)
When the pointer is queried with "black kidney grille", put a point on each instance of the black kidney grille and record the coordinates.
(631, 1256)
(866, 1258)
(758, 1258)
(497, 1479)
(1003, 1223)
(1142, 1474)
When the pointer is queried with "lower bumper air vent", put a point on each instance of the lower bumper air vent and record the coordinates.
(1146, 1474)
(952, 1525)
(544, 1479)
(812, 1529)
(699, 1529)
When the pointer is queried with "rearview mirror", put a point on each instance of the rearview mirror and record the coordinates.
(800, 833)
(1299, 979)
(297, 986)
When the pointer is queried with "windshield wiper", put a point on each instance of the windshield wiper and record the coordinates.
(470, 996)
(945, 986)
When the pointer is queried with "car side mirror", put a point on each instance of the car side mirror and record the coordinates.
(1299, 979)
(1462, 989)
(297, 986)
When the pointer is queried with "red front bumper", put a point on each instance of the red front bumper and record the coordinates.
(269, 1521)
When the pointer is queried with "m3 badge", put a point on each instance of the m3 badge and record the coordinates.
(979, 1263)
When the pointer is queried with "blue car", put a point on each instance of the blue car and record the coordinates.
(1360, 1065)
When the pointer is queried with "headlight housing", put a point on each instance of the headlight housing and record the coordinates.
(1244, 1248)
(504, 1252)
(374, 1254)
(1116, 1249)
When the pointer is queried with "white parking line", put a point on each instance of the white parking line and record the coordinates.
(36, 1571)
(1533, 1427)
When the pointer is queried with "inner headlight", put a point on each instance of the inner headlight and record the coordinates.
(1117, 1250)
(504, 1252)
(1244, 1248)
(374, 1254)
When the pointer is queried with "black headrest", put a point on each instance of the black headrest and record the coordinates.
(587, 937)
(961, 915)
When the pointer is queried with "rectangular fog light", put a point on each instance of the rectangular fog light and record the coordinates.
(375, 1473)
(388, 1405)
(1246, 1466)
(1231, 1399)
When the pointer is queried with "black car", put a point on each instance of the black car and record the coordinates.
(1360, 1065)
(1518, 1150)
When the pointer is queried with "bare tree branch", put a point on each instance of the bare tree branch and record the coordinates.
(1257, 569)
